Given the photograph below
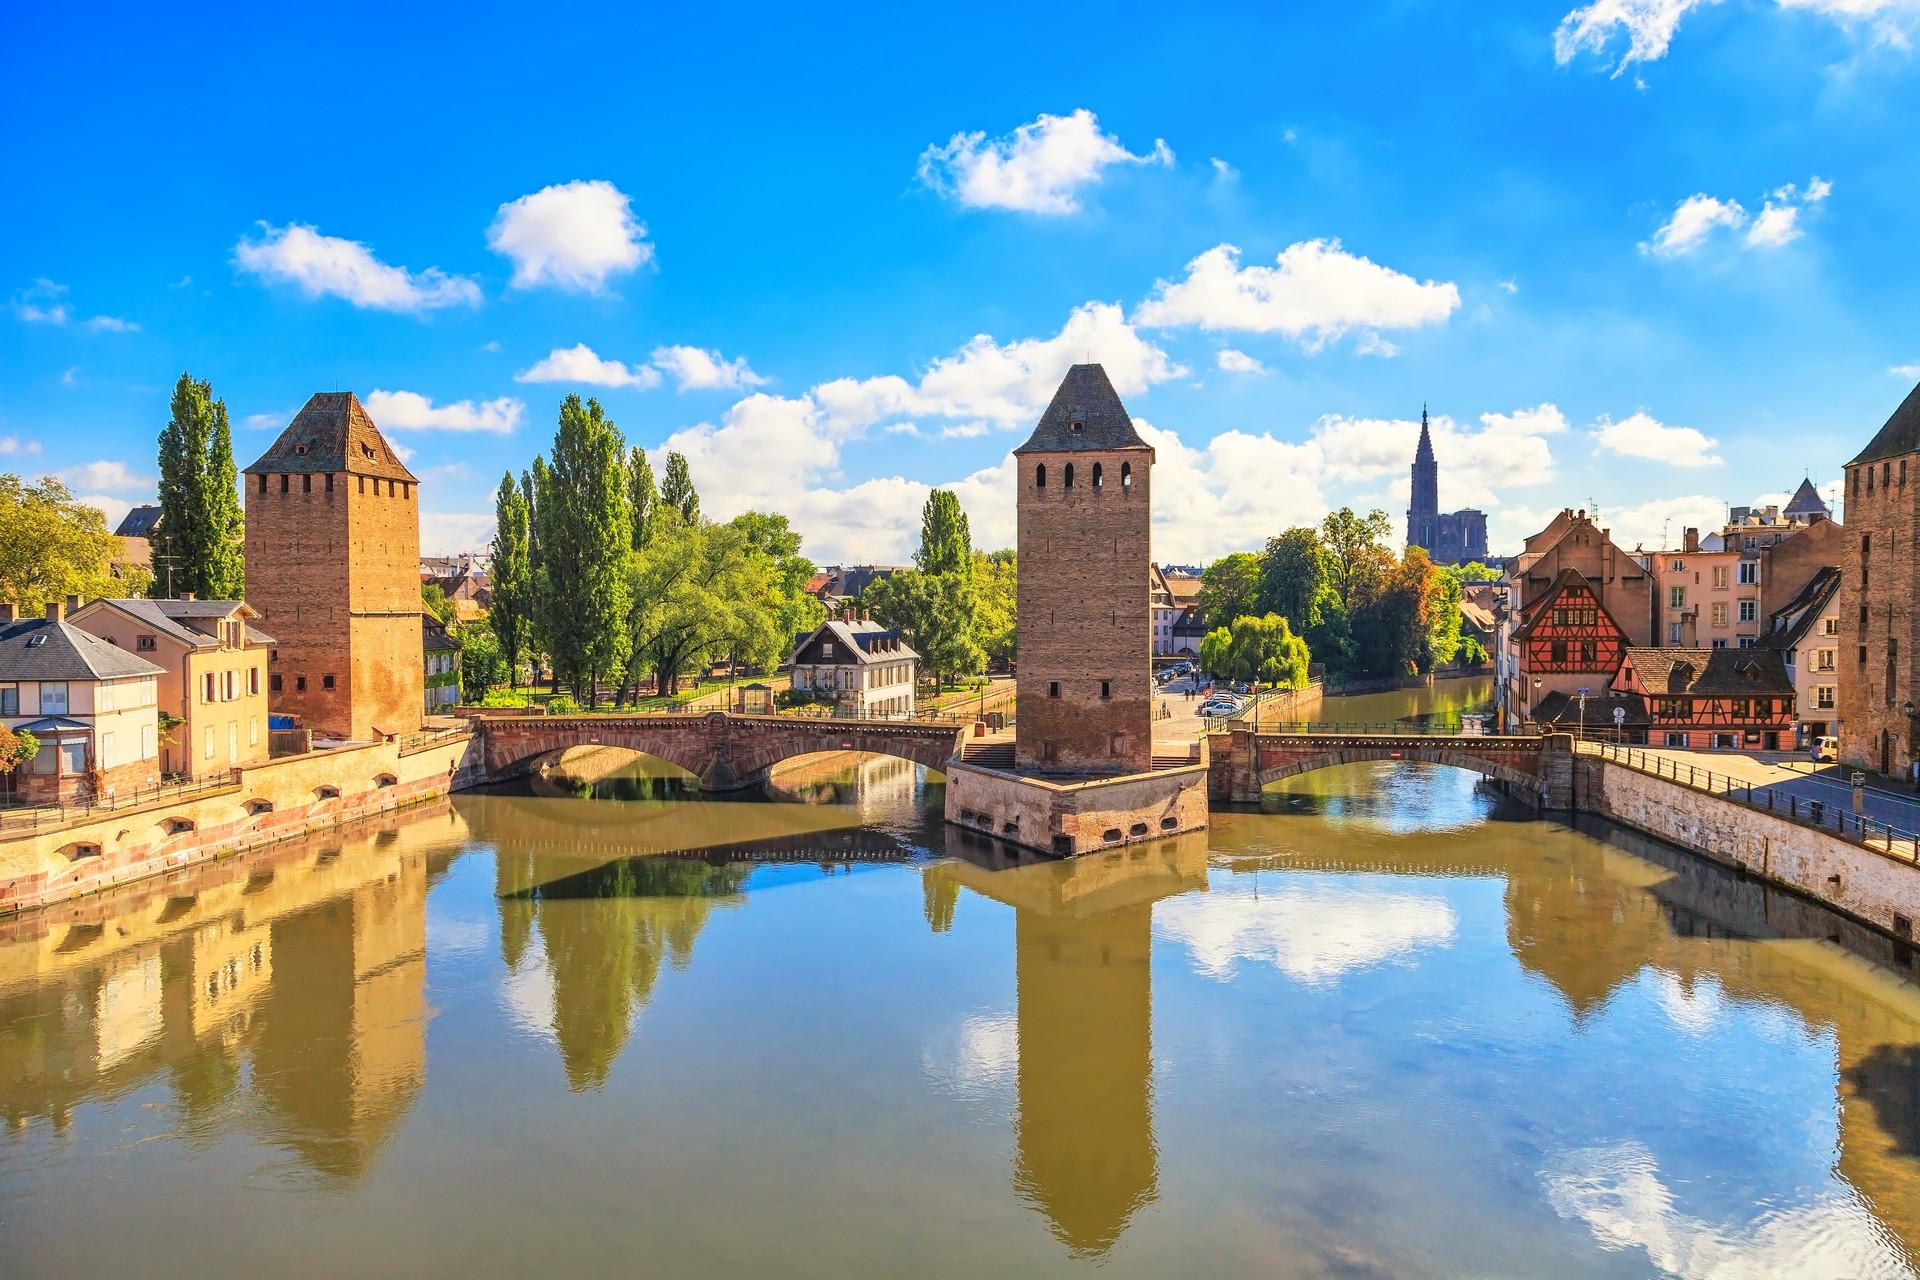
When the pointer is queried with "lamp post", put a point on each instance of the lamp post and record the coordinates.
(1912, 772)
(1579, 730)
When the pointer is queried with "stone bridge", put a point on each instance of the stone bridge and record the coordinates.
(724, 750)
(1538, 769)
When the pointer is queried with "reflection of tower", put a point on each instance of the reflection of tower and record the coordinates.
(341, 1049)
(1083, 940)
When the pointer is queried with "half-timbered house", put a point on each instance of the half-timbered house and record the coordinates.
(1725, 699)
(1564, 641)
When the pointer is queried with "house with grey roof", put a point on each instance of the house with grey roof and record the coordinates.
(91, 707)
(862, 668)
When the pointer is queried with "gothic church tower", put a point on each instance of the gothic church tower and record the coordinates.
(1423, 508)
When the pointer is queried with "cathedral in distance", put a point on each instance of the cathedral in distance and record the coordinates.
(1455, 537)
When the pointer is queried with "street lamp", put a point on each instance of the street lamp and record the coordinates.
(1579, 729)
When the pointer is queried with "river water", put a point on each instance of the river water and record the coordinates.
(1391, 1026)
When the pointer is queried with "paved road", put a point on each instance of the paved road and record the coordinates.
(1793, 775)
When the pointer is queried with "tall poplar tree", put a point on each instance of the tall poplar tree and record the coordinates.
(676, 489)
(201, 527)
(585, 546)
(512, 574)
(946, 542)
(642, 497)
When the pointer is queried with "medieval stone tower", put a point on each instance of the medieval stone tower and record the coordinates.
(1879, 676)
(333, 565)
(1085, 624)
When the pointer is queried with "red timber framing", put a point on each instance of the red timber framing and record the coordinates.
(1705, 699)
(1566, 631)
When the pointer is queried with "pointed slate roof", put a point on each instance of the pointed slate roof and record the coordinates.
(1806, 501)
(333, 433)
(1423, 452)
(50, 649)
(1085, 415)
(1900, 435)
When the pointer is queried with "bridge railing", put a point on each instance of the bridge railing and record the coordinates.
(1350, 728)
(1873, 833)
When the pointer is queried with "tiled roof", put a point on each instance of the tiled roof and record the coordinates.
(137, 523)
(1901, 434)
(861, 640)
(1806, 501)
(1710, 671)
(173, 616)
(1085, 414)
(1564, 709)
(333, 433)
(42, 649)
(1800, 613)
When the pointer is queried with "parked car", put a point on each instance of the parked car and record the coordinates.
(1824, 749)
(1219, 707)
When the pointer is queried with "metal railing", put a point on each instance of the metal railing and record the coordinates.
(410, 743)
(1360, 728)
(1873, 833)
(36, 817)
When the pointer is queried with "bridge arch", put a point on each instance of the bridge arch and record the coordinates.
(1452, 757)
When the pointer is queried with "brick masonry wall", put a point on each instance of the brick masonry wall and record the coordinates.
(1076, 818)
(1889, 518)
(336, 574)
(1085, 614)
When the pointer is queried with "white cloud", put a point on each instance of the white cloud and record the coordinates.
(1315, 935)
(696, 369)
(1642, 436)
(1647, 24)
(1508, 450)
(1651, 525)
(10, 445)
(1693, 220)
(1224, 171)
(1905, 370)
(491, 346)
(39, 303)
(964, 431)
(321, 265)
(448, 533)
(1038, 168)
(1231, 361)
(112, 324)
(1616, 1192)
(107, 475)
(1315, 294)
(70, 377)
(573, 235)
(580, 363)
(1510, 286)
(262, 421)
(1006, 384)
(411, 411)
(979, 1056)
(1779, 220)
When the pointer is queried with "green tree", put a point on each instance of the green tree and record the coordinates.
(794, 611)
(509, 616)
(995, 603)
(53, 546)
(1443, 616)
(585, 541)
(201, 534)
(699, 591)
(1230, 588)
(433, 598)
(946, 542)
(676, 489)
(1262, 650)
(935, 611)
(643, 500)
(17, 749)
(1474, 571)
(1358, 551)
(483, 663)
(1297, 582)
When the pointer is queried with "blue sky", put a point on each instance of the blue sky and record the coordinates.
(1656, 255)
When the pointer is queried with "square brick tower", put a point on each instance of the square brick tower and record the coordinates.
(1085, 618)
(333, 566)
(1880, 598)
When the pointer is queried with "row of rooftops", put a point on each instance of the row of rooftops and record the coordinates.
(50, 647)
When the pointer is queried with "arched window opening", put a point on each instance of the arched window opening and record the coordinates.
(1126, 477)
(1040, 476)
(1098, 479)
(1067, 481)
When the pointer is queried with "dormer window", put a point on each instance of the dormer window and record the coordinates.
(1077, 425)
(366, 450)
(300, 449)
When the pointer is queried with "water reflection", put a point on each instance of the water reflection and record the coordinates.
(1083, 1039)
(300, 969)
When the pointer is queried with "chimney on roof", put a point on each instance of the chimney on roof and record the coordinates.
(73, 604)
(186, 595)
(9, 612)
(1690, 540)
(56, 611)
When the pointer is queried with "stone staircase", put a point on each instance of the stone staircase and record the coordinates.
(988, 755)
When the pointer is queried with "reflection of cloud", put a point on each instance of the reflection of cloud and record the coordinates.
(527, 994)
(1617, 1193)
(1694, 1009)
(977, 1057)
(1311, 935)
(445, 935)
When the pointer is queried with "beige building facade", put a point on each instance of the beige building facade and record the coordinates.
(92, 709)
(213, 680)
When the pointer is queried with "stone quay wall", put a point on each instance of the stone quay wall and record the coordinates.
(266, 802)
(1074, 817)
(1873, 887)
